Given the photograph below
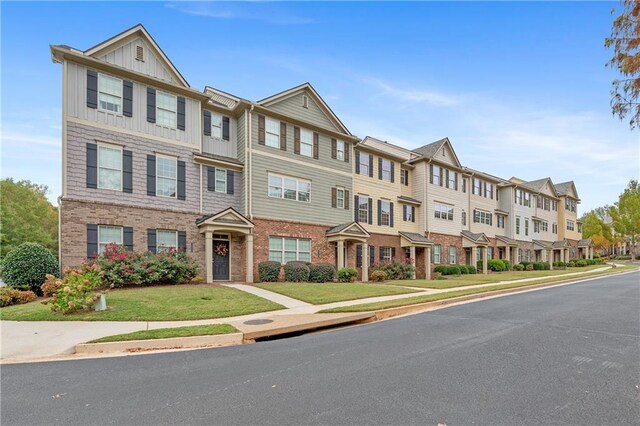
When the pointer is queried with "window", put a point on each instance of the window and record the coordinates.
(109, 167)
(554, 205)
(166, 109)
(464, 185)
(109, 93)
(363, 209)
(547, 203)
(489, 252)
(437, 175)
(386, 254)
(404, 176)
(364, 164)
(108, 235)
(443, 211)
(517, 225)
(221, 180)
(166, 240)
(289, 188)
(539, 201)
(340, 150)
(570, 225)
(526, 226)
(488, 190)
(477, 187)
(166, 176)
(480, 216)
(216, 126)
(407, 213)
(579, 227)
(544, 226)
(453, 255)
(500, 221)
(527, 199)
(452, 181)
(340, 198)
(284, 250)
(536, 227)
(436, 253)
(306, 142)
(518, 197)
(479, 253)
(271, 133)
(386, 169)
(385, 213)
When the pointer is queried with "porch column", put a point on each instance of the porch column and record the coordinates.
(517, 255)
(474, 256)
(340, 254)
(507, 254)
(485, 261)
(248, 245)
(208, 255)
(412, 255)
(365, 262)
(550, 258)
(561, 255)
(427, 262)
(590, 252)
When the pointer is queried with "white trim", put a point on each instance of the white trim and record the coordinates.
(115, 148)
(107, 242)
(172, 158)
(108, 111)
(282, 186)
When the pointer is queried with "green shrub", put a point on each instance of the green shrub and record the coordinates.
(378, 276)
(322, 273)
(27, 266)
(76, 291)
(296, 272)
(529, 267)
(463, 269)
(441, 269)
(571, 263)
(518, 267)
(496, 265)
(269, 271)
(560, 264)
(347, 275)
(471, 269)
(12, 296)
(581, 263)
(395, 269)
(525, 264)
(452, 269)
(540, 266)
(506, 265)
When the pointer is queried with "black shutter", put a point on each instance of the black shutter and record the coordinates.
(334, 197)
(372, 255)
(151, 240)
(380, 168)
(182, 241)
(346, 199)
(127, 98)
(230, 175)
(181, 113)
(359, 256)
(391, 215)
(355, 208)
(92, 241)
(347, 148)
(370, 165)
(370, 211)
(225, 128)
(393, 252)
(92, 89)
(381, 254)
(404, 213)
(127, 237)
(393, 172)
(92, 165)
(431, 173)
(151, 105)
(151, 175)
(357, 162)
(206, 120)
(181, 180)
(334, 148)
(379, 212)
(413, 214)
(127, 171)
(211, 178)
(446, 173)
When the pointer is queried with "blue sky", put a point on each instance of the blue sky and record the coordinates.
(519, 88)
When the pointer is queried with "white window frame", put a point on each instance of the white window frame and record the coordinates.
(159, 178)
(385, 218)
(488, 190)
(223, 180)
(437, 253)
(364, 163)
(173, 113)
(306, 142)
(570, 225)
(216, 125)
(363, 201)
(164, 247)
(283, 249)
(500, 221)
(340, 198)
(120, 95)
(453, 255)
(386, 254)
(340, 148)
(437, 176)
(272, 133)
(443, 211)
(404, 176)
(517, 225)
(386, 169)
(452, 182)
(477, 189)
(544, 226)
(483, 217)
(103, 243)
(114, 148)
(518, 197)
(407, 213)
(282, 187)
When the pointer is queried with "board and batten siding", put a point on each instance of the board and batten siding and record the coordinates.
(125, 56)
(292, 106)
(219, 146)
(77, 108)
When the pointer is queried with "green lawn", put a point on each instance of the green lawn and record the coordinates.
(319, 294)
(165, 303)
(164, 333)
(451, 294)
(493, 277)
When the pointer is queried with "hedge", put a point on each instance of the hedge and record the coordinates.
(322, 273)
(26, 267)
(268, 271)
(296, 272)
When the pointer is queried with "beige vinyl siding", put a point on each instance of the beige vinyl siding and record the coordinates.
(524, 213)
(406, 190)
(505, 203)
(448, 157)
(420, 193)
(317, 211)
(487, 205)
(125, 56)
(443, 195)
(77, 108)
(563, 216)
(219, 146)
(292, 106)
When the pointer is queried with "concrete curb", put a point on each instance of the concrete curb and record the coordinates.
(156, 344)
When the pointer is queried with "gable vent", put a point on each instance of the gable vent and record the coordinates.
(305, 101)
(139, 53)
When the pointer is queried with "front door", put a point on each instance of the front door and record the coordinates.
(220, 260)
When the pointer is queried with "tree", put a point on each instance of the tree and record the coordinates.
(626, 215)
(26, 216)
(594, 227)
(625, 40)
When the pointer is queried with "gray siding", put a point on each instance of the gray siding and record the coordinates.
(213, 202)
(241, 156)
(125, 56)
(219, 146)
(77, 108)
(292, 106)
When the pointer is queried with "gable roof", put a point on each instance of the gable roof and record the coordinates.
(137, 30)
(428, 151)
(536, 185)
(479, 238)
(316, 98)
(228, 215)
(564, 188)
(415, 238)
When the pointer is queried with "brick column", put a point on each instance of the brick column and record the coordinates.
(365, 262)
(208, 255)
(248, 239)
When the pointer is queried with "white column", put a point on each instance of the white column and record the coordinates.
(561, 255)
(590, 252)
(340, 254)
(365, 262)
(427, 262)
(550, 258)
(208, 255)
(248, 247)
(507, 254)
(485, 261)
(412, 255)
(474, 257)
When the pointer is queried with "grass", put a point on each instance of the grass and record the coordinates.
(494, 277)
(319, 294)
(365, 307)
(162, 303)
(164, 333)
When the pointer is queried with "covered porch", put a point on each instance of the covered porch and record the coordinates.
(507, 248)
(544, 252)
(345, 235)
(476, 242)
(585, 249)
(419, 248)
(561, 251)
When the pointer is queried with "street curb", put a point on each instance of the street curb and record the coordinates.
(231, 339)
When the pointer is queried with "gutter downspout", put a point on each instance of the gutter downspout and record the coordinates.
(249, 156)
(200, 188)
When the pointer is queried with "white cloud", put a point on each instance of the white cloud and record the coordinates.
(412, 96)
(267, 12)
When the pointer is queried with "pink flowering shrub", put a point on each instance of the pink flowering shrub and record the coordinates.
(125, 268)
(74, 292)
(13, 296)
(395, 269)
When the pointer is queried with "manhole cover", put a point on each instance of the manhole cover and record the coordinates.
(258, 321)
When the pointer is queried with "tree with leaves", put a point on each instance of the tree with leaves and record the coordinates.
(595, 227)
(626, 215)
(26, 216)
(625, 41)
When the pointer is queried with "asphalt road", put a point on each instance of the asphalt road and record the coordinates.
(566, 355)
